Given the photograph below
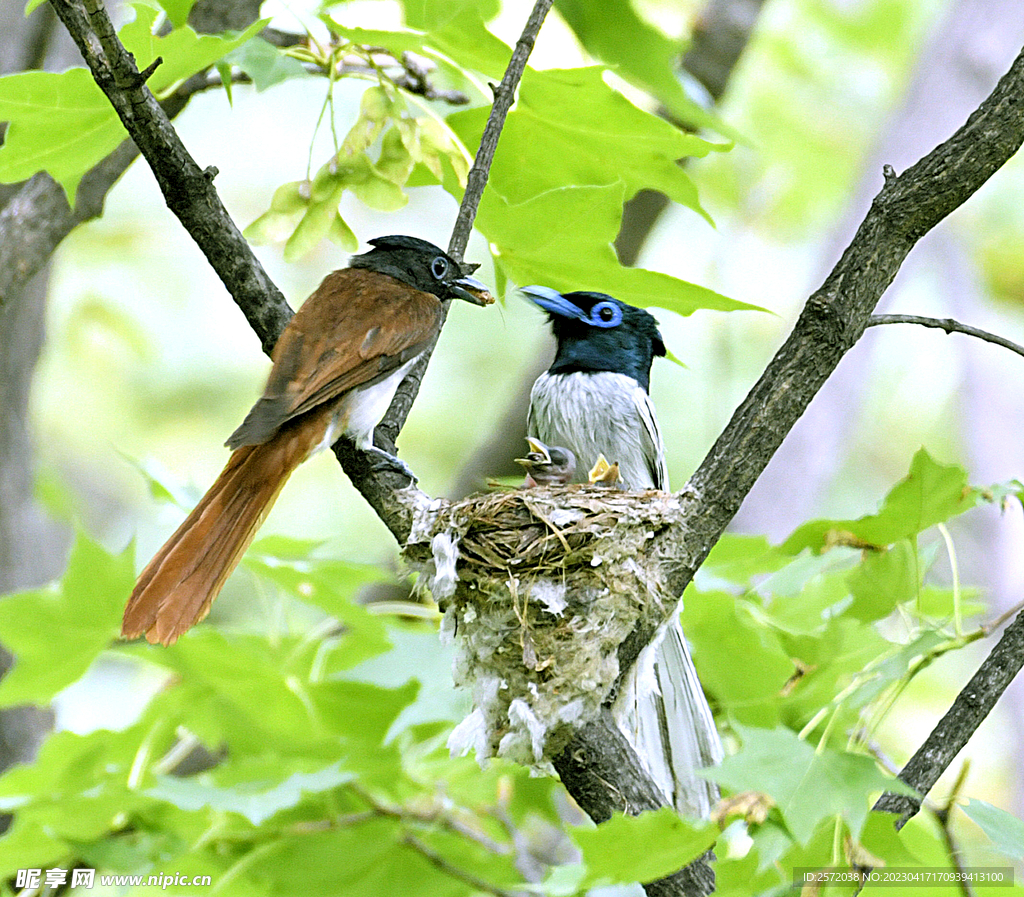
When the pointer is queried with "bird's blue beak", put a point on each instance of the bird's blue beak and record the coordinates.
(472, 290)
(553, 302)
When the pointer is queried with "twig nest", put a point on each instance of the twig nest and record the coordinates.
(539, 587)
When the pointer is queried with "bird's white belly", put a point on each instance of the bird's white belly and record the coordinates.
(362, 409)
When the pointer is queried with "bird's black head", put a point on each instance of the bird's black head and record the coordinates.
(597, 332)
(423, 266)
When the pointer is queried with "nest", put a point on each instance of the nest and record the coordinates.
(539, 587)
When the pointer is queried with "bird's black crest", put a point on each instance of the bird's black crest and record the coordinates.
(415, 262)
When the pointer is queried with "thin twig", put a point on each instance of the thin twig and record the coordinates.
(990, 627)
(434, 816)
(950, 326)
(380, 489)
(439, 862)
(942, 814)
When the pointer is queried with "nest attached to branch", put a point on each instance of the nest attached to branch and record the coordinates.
(539, 587)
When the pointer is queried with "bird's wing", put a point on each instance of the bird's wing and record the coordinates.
(356, 329)
(650, 439)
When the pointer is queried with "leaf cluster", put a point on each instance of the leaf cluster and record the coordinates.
(806, 647)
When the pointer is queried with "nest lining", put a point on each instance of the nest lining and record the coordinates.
(540, 587)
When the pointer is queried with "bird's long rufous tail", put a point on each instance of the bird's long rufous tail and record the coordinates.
(178, 586)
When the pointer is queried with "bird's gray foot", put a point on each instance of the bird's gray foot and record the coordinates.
(382, 460)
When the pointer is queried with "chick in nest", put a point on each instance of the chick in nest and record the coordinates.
(605, 474)
(546, 466)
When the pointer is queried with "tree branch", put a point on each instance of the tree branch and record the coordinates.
(950, 326)
(836, 315)
(598, 755)
(504, 94)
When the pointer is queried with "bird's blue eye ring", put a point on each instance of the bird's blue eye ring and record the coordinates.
(439, 267)
(606, 314)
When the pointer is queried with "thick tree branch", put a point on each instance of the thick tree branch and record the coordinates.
(187, 189)
(37, 218)
(599, 754)
(950, 326)
(836, 315)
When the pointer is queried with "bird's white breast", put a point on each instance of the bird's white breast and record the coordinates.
(600, 413)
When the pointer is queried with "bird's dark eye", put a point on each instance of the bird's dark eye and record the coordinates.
(605, 314)
(439, 267)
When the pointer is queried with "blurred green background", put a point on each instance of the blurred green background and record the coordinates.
(148, 362)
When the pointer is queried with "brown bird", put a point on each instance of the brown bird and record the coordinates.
(336, 368)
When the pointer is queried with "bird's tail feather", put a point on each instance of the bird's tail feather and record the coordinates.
(178, 586)
(662, 710)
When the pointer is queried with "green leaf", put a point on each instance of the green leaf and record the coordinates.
(77, 786)
(613, 32)
(428, 15)
(313, 226)
(265, 64)
(417, 655)
(362, 714)
(721, 625)
(606, 139)
(243, 691)
(84, 609)
(466, 40)
(177, 10)
(884, 669)
(930, 494)
(937, 604)
(807, 785)
(271, 227)
(739, 558)
(1005, 831)
(563, 239)
(831, 660)
(63, 124)
(254, 787)
(883, 580)
(641, 848)
(184, 52)
(810, 607)
(364, 860)
(330, 584)
(60, 123)
(340, 233)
